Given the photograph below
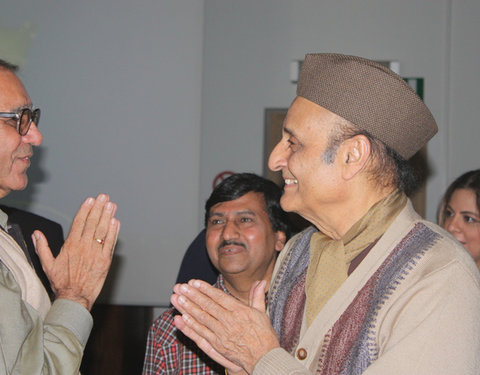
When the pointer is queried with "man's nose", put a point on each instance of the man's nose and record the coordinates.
(277, 159)
(33, 136)
(230, 230)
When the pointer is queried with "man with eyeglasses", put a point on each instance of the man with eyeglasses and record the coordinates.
(37, 336)
(23, 117)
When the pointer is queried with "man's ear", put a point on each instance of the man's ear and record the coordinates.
(354, 155)
(280, 240)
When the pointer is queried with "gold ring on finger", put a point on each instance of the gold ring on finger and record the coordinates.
(101, 241)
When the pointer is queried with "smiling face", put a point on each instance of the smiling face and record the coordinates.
(240, 239)
(462, 219)
(15, 150)
(312, 186)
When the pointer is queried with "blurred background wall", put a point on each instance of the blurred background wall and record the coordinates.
(149, 100)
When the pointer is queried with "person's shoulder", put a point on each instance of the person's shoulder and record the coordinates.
(433, 254)
(20, 216)
(435, 249)
(166, 317)
(447, 249)
(163, 328)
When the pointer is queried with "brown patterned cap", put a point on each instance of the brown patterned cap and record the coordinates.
(370, 96)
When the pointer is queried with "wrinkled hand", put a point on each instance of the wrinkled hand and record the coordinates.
(230, 332)
(79, 271)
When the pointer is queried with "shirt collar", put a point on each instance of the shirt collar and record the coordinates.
(3, 219)
(220, 284)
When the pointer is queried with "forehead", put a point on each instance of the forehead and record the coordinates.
(12, 92)
(464, 200)
(250, 202)
(307, 118)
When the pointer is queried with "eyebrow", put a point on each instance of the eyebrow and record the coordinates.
(288, 131)
(237, 213)
(470, 213)
(19, 108)
(464, 212)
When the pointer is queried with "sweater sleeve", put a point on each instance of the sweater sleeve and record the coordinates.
(29, 345)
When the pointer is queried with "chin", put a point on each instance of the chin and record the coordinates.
(21, 184)
(287, 204)
(231, 269)
(284, 202)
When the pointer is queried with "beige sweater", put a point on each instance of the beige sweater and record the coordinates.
(36, 337)
(427, 324)
(30, 285)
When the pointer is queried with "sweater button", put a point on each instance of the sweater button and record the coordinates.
(301, 354)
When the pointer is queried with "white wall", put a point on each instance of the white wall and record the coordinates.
(119, 83)
(463, 131)
(249, 45)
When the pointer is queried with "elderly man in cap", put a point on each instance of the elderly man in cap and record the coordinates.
(37, 336)
(371, 287)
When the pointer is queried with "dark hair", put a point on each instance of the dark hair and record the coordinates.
(8, 66)
(240, 184)
(469, 180)
(389, 168)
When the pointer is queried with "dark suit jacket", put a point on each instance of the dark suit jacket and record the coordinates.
(196, 263)
(29, 222)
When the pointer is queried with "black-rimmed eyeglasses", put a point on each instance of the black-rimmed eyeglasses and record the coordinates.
(24, 118)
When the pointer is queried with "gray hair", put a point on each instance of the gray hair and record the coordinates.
(388, 169)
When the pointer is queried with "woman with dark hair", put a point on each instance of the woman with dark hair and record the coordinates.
(460, 212)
